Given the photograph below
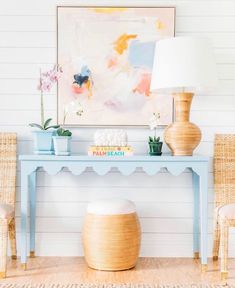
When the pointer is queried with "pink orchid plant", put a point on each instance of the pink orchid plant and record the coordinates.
(46, 82)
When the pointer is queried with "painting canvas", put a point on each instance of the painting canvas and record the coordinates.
(106, 54)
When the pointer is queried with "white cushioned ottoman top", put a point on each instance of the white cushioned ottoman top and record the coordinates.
(111, 207)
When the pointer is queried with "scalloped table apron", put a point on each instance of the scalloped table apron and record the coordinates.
(102, 165)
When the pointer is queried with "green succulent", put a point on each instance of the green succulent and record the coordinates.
(63, 132)
(154, 139)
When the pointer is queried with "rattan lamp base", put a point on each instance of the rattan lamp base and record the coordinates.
(182, 136)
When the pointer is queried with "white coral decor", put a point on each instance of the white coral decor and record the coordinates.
(110, 137)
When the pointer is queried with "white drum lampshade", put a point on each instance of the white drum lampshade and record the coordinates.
(183, 65)
(183, 62)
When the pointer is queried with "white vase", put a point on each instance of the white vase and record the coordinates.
(62, 145)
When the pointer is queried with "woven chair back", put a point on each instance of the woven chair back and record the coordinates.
(8, 168)
(224, 169)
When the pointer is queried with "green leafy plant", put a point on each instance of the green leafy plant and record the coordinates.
(154, 139)
(63, 132)
(45, 126)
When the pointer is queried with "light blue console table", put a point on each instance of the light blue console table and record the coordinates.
(77, 164)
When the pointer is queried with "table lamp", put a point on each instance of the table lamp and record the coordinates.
(183, 65)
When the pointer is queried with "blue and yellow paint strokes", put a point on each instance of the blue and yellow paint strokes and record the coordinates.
(138, 55)
(131, 53)
(121, 44)
(83, 83)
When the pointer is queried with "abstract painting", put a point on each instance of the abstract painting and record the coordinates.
(106, 54)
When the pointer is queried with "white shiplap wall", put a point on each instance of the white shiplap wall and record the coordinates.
(164, 202)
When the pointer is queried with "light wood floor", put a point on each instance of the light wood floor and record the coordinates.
(149, 270)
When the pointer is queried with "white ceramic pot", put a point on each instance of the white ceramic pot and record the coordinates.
(62, 145)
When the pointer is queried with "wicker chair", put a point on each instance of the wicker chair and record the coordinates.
(7, 197)
(224, 180)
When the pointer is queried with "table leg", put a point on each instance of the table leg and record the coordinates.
(24, 215)
(195, 215)
(32, 193)
(203, 215)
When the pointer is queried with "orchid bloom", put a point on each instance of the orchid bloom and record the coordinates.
(154, 121)
(74, 107)
(48, 78)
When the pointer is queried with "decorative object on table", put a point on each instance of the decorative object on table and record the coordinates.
(62, 142)
(111, 235)
(110, 142)
(110, 151)
(155, 145)
(183, 64)
(224, 181)
(109, 70)
(43, 140)
(110, 137)
(7, 196)
(62, 139)
(43, 137)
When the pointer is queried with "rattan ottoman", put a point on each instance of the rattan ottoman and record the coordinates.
(111, 235)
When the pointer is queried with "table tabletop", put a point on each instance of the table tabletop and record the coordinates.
(144, 157)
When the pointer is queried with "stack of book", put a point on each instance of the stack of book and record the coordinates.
(110, 151)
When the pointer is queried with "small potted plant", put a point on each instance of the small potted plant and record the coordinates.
(43, 135)
(62, 139)
(62, 142)
(155, 145)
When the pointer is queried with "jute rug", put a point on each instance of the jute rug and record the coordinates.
(15, 285)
